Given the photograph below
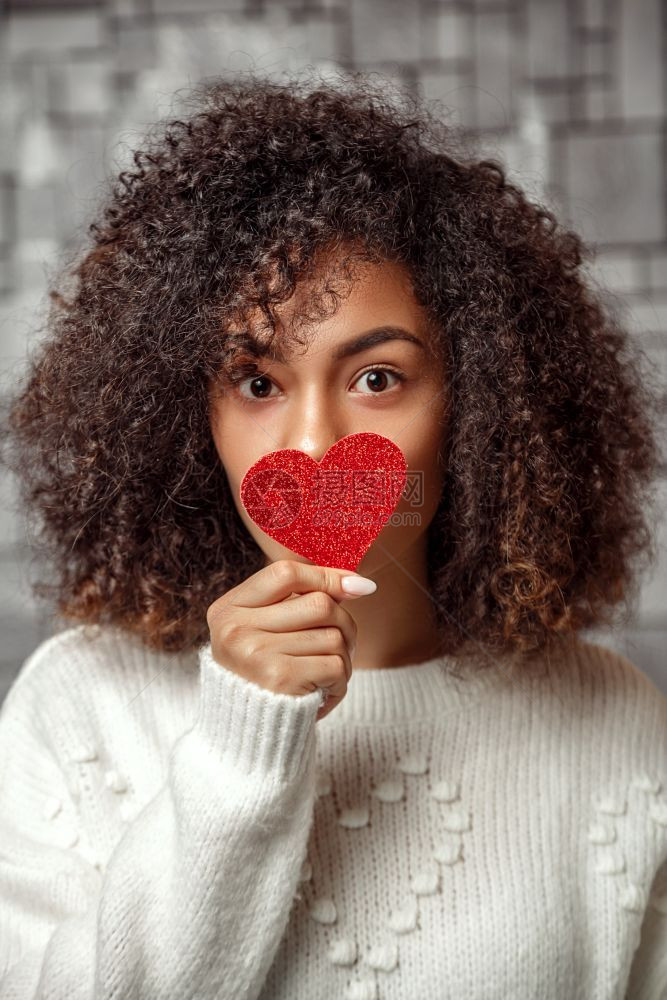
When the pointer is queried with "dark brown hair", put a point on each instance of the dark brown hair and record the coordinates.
(550, 450)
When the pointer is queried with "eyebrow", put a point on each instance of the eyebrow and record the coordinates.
(369, 338)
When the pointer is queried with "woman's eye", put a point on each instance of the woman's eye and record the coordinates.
(377, 379)
(259, 386)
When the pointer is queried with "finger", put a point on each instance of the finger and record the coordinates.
(304, 612)
(324, 671)
(319, 641)
(279, 579)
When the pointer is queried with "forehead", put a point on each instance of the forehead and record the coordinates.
(378, 295)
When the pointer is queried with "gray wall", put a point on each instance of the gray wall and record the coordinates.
(570, 95)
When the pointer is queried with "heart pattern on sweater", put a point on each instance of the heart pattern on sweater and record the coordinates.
(404, 918)
(642, 793)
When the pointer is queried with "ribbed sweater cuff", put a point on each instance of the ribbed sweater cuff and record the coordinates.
(256, 730)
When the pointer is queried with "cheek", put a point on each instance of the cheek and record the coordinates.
(434, 432)
(421, 450)
(231, 443)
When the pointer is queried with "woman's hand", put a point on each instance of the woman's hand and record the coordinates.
(284, 629)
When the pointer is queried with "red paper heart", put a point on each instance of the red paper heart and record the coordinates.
(329, 511)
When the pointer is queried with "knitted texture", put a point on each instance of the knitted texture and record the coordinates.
(169, 829)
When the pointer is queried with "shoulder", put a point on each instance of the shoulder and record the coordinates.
(47, 667)
(605, 704)
(596, 671)
(84, 664)
(65, 655)
(583, 670)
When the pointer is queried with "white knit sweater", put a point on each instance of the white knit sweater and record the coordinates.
(171, 830)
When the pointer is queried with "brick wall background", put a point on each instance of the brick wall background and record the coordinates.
(571, 96)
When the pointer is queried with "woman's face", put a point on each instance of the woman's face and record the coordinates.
(336, 387)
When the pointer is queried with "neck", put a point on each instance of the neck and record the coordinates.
(395, 625)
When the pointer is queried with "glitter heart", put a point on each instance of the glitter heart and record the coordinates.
(329, 511)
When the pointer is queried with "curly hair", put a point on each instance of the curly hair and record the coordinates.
(551, 447)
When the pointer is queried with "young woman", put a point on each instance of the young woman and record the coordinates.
(483, 811)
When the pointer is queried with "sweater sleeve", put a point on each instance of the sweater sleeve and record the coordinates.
(197, 892)
(648, 974)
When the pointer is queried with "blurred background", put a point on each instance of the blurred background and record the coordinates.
(570, 97)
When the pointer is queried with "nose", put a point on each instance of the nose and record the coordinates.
(314, 426)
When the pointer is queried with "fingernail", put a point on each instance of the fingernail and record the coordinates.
(358, 585)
